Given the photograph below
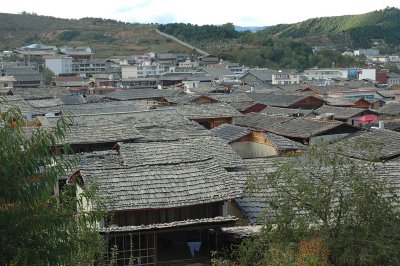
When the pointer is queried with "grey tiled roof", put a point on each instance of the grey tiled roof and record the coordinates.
(230, 132)
(241, 232)
(390, 108)
(303, 128)
(338, 101)
(271, 110)
(388, 93)
(389, 124)
(342, 112)
(213, 110)
(162, 186)
(254, 202)
(42, 92)
(263, 74)
(180, 151)
(140, 94)
(101, 134)
(105, 107)
(379, 143)
(279, 100)
(72, 99)
(259, 121)
(217, 71)
(187, 98)
(43, 103)
(242, 106)
(188, 131)
(393, 75)
(230, 97)
(191, 222)
(282, 143)
(100, 159)
(15, 102)
(167, 118)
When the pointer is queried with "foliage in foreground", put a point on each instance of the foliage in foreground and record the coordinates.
(325, 209)
(36, 226)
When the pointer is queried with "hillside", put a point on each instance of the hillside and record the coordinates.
(354, 31)
(106, 37)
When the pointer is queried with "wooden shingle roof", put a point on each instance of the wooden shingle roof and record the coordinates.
(162, 186)
(305, 128)
(390, 108)
(230, 132)
(140, 94)
(112, 107)
(378, 144)
(231, 97)
(282, 143)
(271, 110)
(259, 121)
(180, 151)
(177, 224)
(343, 113)
(279, 100)
(202, 111)
(113, 132)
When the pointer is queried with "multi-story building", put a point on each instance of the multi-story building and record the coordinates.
(142, 70)
(367, 52)
(393, 78)
(59, 64)
(325, 73)
(374, 74)
(285, 78)
(92, 66)
(25, 76)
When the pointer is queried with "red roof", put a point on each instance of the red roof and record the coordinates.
(367, 118)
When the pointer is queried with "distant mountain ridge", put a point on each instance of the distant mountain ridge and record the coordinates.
(107, 37)
(355, 31)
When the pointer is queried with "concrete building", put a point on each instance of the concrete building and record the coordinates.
(59, 64)
(325, 73)
(366, 52)
(141, 71)
(285, 78)
(6, 82)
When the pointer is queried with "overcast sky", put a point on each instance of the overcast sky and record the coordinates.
(243, 13)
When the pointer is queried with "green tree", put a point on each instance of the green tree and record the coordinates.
(392, 67)
(333, 201)
(47, 75)
(37, 226)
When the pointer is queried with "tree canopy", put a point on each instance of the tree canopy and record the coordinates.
(40, 225)
(324, 208)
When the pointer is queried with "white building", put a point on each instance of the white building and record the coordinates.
(380, 59)
(59, 64)
(368, 73)
(325, 73)
(394, 58)
(6, 82)
(285, 78)
(188, 64)
(393, 78)
(367, 52)
(142, 70)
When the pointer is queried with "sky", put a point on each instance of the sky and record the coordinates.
(201, 12)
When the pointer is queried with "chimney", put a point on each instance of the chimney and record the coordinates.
(381, 124)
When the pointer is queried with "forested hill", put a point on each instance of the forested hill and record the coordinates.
(107, 37)
(354, 31)
(255, 49)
